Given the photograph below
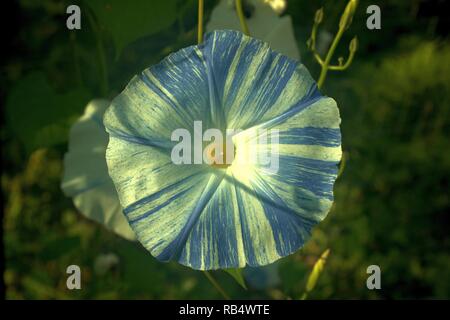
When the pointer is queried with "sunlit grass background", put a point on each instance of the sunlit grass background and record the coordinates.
(392, 200)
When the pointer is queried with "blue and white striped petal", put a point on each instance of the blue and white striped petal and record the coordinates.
(207, 217)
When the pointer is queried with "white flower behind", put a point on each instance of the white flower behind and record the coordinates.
(86, 178)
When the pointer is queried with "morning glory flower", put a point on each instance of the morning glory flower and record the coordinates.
(209, 216)
(86, 178)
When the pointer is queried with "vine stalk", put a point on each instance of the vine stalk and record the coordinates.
(201, 6)
(240, 13)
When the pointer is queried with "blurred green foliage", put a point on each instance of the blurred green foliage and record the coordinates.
(43, 120)
(392, 200)
(128, 23)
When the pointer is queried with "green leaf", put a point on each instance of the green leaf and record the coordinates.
(236, 273)
(129, 21)
(39, 116)
(315, 273)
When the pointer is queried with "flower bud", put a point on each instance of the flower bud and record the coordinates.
(319, 16)
(353, 44)
(347, 16)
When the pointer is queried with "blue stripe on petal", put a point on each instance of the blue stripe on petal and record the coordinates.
(316, 176)
(159, 207)
(290, 229)
(219, 49)
(327, 137)
(214, 240)
(312, 96)
(136, 205)
(173, 250)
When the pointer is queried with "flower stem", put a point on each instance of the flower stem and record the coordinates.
(200, 21)
(241, 16)
(216, 285)
(326, 63)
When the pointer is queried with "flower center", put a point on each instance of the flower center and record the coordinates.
(217, 155)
